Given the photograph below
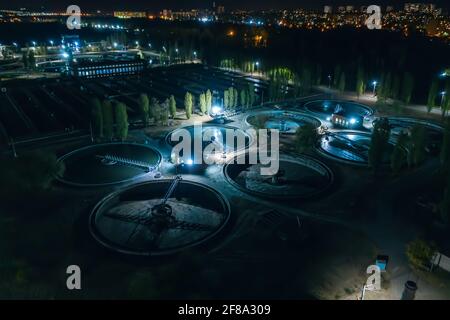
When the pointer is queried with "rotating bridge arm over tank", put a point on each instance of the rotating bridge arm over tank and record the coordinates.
(171, 189)
(349, 142)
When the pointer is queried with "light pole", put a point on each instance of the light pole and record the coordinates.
(443, 93)
(329, 81)
(374, 84)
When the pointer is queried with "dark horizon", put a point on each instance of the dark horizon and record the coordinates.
(174, 4)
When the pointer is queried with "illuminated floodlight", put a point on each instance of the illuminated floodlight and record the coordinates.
(328, 118)
(15, 44)
(189, 162)
(216, 109)
(352, 121)
(115, 44)
(65, 55)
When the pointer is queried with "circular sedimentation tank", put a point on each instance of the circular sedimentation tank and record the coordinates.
(236, 141)
(109, 163)
(284, 121)
(298, 177)
(325, 108)
(435, 132)
(350, 147)
(140, 221)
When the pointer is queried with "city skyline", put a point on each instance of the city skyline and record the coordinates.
(229, 4)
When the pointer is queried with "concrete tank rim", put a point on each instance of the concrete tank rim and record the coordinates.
(88, 185)
(302, 113)
(292, 158)
(370, 110)
(117, 249)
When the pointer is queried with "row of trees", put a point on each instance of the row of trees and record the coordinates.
(29, 60)
(415, 143)
(155, 110)
(444, 206)
(205, 102)
(435, 92)
(245, 98)
(109, 119)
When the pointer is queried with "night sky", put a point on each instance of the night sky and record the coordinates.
(178, 4)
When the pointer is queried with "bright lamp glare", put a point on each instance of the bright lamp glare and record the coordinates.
(216, 109)
(190, 162)
(352, 121)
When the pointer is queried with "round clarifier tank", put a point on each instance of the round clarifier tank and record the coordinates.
(130, 221)
(284, 121)
(109, 163)
(350, 147)
(434, 131)
(325, 108)
(297, 177)
(226, 138)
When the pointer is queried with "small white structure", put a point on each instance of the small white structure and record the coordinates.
(441, 261)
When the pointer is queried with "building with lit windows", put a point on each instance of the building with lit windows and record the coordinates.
(90, 70)
(130, 14)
